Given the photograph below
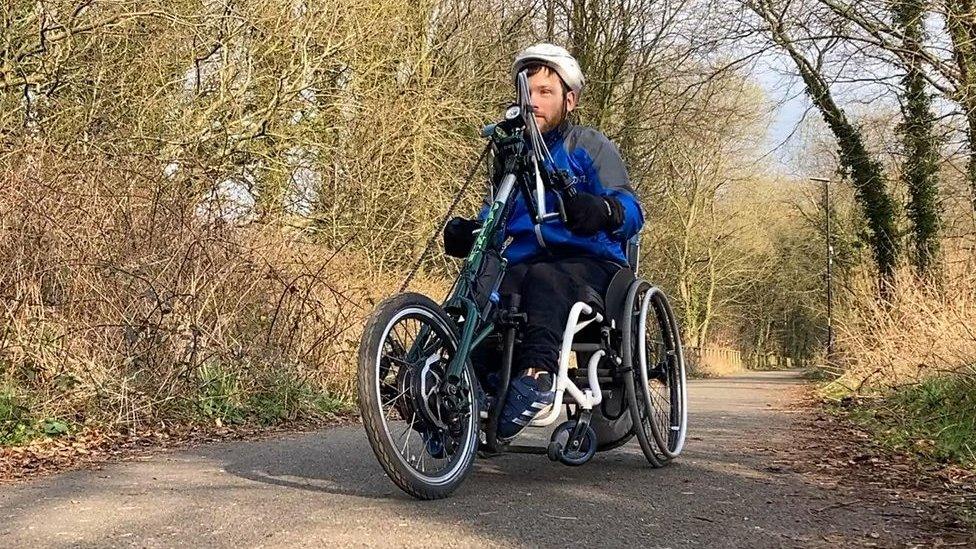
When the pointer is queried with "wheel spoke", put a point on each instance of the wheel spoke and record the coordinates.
(394, 399)
(423, 453)
(420, 349)
(400, 361)
(408, 357)
(409, 433)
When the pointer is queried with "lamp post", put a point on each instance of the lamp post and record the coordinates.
(830, 262)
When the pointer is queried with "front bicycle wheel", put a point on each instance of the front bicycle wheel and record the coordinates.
(424, 441)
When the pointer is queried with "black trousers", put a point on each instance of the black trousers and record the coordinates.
(548, 290)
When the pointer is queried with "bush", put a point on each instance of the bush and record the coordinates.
(935, 418)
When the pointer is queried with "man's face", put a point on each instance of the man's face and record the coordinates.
(549, 104)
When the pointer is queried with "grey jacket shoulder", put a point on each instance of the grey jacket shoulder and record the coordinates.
(587, 137)
(607, 162)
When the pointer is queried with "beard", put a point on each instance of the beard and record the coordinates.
(548, 124)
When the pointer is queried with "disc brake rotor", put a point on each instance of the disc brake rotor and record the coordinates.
(424, 390)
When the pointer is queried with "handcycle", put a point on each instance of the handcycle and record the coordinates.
(423, 407)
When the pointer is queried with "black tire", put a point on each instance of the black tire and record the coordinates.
(642, 401)
(661, 374)
(388, 380)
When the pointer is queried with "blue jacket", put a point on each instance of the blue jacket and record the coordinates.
(598, 168)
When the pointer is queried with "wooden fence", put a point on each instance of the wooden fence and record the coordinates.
(704, 360)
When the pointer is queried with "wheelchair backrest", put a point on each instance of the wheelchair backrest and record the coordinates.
(633, 252)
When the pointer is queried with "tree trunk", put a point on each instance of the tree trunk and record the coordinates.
(920, 169)
(866, 173)
(961, 24)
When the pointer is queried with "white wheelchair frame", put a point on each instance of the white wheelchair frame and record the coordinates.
(586, 399)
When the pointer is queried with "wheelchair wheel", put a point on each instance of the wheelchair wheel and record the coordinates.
(573, 457)
(656, 390)
(425, 443)
(662, 373)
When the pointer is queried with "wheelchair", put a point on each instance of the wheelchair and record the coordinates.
(620, 374)
(628, 358)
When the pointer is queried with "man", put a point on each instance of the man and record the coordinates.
(559, 264)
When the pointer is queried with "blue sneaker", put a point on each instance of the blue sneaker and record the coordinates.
(526, 399)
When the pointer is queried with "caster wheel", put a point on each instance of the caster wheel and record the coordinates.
(560, 448)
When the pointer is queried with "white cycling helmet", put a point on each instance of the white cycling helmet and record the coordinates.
(554, 57)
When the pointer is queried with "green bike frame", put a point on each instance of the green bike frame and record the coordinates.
(509, 138)
(460, 298)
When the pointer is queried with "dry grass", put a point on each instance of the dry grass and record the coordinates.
(125, 297)
(120, 305)
(923, 329)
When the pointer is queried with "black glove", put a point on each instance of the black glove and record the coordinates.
(459, 236)
(588, 214)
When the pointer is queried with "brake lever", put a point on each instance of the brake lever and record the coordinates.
(565, 188)
(561, 207)
(562, 183)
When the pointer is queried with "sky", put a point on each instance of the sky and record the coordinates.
(790, 104)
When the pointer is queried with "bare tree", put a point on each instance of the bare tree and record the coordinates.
(947, 64)
(865, 171)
